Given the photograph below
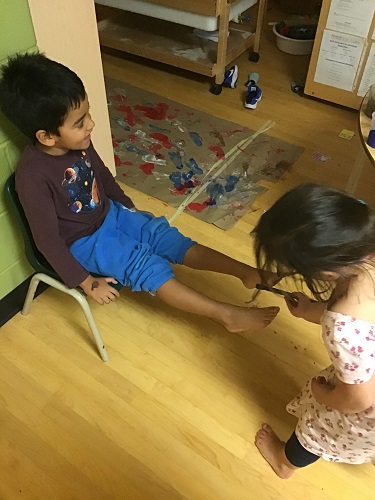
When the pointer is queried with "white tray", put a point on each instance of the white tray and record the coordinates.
(207, 23)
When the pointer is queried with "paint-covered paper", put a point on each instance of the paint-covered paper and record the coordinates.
(165, 149)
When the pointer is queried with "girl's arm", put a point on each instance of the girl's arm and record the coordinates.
(346, 398)
(307, 309)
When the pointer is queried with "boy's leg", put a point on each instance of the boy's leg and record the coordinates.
(233, 318)
(169, 243)
(284, 458)
(205, 258)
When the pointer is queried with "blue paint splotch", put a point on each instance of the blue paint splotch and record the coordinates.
(231, 183)
(181, 183)
(176, 158)
(215, 191)
(193, 165)
(196, 138)
(175, 178)
(159, 129)
(133, 149)
(123, 124)
(187, 176)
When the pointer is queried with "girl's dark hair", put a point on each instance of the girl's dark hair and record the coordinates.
(312, 229)
(36, 93)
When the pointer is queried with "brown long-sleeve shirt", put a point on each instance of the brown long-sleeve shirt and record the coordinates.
(65, 198)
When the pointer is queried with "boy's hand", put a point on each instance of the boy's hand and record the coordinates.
(99, 289)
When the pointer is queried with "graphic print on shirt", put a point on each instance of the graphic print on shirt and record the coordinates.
(81, 187)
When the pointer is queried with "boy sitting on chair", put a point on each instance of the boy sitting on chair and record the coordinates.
(81, 220)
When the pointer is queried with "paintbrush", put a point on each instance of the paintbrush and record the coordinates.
(287, 295)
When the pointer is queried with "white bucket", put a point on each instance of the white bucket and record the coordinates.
(293, 46)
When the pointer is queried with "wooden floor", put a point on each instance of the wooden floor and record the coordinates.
(174, 413)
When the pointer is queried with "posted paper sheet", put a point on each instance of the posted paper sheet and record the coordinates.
(339, 59)
(368, 77)
(351, 16)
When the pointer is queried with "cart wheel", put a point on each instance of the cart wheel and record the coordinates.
(254, 57)
(216, 88)
(298, 88)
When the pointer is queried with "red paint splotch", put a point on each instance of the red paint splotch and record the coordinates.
(133, 137)
(115, 142)
(162, 138)
(198, 207)
(180, 190)
(118, 98)
(184, 187)
(173, 116)
(155, 148)
(117, 161)
(228, 133)
(147, 167)
(158, 112)
(130, 118)
(220, 155)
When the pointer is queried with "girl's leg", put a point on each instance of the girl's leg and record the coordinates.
(233, 318)
(205, 258)
(284, 458)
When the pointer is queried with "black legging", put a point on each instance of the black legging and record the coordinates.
(297, 454)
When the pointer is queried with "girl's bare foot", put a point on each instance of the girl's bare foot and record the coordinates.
(238, 319)
(272, 449)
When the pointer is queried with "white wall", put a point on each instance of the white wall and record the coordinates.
(66, 31)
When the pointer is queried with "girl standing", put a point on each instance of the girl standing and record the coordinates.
(328, 238)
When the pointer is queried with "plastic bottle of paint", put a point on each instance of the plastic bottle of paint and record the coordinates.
(370, 108)
(371, 135)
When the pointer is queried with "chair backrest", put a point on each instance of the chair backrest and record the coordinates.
(35, 258)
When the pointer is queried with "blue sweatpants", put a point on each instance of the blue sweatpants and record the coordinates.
(134, 248)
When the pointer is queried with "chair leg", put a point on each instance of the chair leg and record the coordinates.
(78, 296)
(31, 293)
(81, 299)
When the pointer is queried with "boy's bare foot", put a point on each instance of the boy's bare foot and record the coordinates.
(239, 319)
(272, 449)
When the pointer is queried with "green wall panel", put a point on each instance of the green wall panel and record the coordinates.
(10, 151)
(13, 252)
(16, 32)
(16, 35)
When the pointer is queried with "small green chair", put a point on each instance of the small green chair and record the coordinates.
(44, 271)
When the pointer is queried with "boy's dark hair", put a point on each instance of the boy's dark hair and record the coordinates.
(36, 93)
(312, 229)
